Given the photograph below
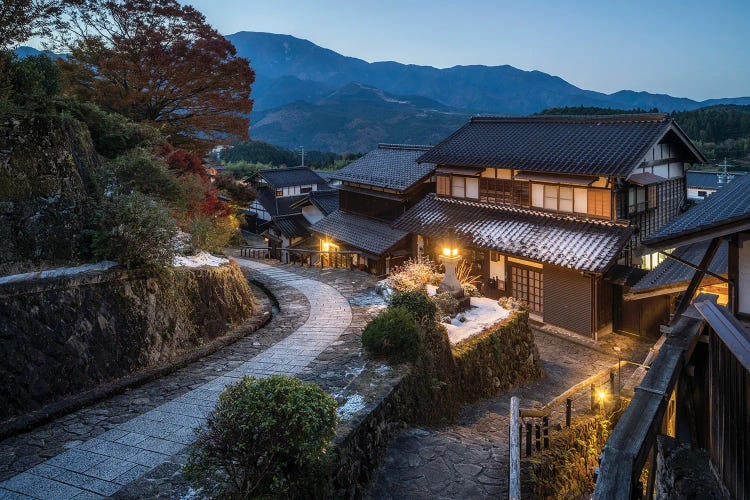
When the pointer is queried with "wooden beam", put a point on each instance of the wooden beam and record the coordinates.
(696, 281)
(693, 266)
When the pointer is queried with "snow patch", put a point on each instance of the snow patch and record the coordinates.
(483, 313)
(199, 260)
(351, 406)
(62, 271)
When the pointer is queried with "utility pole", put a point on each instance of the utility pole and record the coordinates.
(724, 165)
(302, 153)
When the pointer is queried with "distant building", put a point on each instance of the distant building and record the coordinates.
(278, 213)
(375, 189)
(701, 183)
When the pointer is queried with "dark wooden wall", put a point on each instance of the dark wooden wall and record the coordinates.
(568, 299)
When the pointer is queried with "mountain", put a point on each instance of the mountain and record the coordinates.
(26, 51)
(356, 118)
(484, 89)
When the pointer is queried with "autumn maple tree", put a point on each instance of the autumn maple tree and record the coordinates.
(157, 62)
(23, 19)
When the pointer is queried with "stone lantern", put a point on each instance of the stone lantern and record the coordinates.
(450, 258)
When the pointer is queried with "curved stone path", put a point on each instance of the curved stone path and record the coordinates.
(102, 465)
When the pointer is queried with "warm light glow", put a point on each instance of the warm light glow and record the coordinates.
(265, 239)
(326, 245)
(447, 252)
(602, 395)
(455, 252)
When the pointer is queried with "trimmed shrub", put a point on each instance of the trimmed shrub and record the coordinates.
(213, 234)
(268, 438)
(419, 305)
(393, 334)
(135, 231)
(447, 304)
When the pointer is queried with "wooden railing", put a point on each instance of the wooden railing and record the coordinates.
(342, 259)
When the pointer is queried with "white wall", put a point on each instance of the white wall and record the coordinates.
(312, 213)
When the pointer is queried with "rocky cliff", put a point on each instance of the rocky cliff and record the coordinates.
(47, 170)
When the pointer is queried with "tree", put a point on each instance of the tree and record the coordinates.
(160, 63)
(24, 19)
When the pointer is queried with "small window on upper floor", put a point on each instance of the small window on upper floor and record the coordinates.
(444, 185)
(279, 192)
(458, 188)
(305, 189)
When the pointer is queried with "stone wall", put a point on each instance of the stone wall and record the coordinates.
(66, 334)
(683, 473)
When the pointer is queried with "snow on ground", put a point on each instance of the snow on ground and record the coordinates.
(62, 271)
(199, 260)
(484, 312)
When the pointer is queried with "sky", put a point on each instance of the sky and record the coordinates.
(688, 48)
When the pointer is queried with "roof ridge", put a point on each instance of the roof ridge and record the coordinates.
(529, 211)
(409, 147)
(621, 118)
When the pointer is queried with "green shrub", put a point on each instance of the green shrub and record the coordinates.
(213, 234)
(394, 334)
(142, 171)
(268, 437)
(419, 305)
(135, 231)
(446, 303)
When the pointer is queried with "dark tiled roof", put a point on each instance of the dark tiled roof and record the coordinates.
(327, 201)
(671, 273)
(391, 166)
(292, 226)
(706, 179)
(279, 206)
(567, 241)
(594, 145)
(284, 177)
(372, 236)
(726, 206)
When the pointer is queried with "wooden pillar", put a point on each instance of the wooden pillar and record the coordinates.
(733, 274)
(514, 470)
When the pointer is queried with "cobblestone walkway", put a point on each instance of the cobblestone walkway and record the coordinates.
(102, 463)
(470, 459)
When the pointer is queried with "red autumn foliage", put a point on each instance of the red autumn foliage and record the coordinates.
(159, 63)
(186, 162)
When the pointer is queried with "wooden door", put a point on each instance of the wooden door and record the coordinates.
(527, 284)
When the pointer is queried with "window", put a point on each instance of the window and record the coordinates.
(472, 187)
(279, 192)
(580, 200)
(653, 196)
(305, 189)
(527, 285)
(636, 200)
(537, 195)
(566, 199)
(521, 194)
(444, 185)
(496, 190)
(702, 194)
(551, 194)
(599, 203)
(458, 188)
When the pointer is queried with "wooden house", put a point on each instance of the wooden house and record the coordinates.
(284, 210)
(552, 209)
(374, 190)
(702, 183)
(691, 411)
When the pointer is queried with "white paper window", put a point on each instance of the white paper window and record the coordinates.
(550, 197)
(566, 199)
(459, 189)
(537, 195)
(580, 200)
(472, 187)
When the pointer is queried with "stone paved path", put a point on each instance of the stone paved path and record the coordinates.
(103, 464)
(470, 459)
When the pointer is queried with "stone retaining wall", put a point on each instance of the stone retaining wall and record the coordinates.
(66, 334)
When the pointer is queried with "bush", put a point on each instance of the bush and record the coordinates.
(213, 234)
(393, 334)
(268, 437)
(135, 231)
(419, 305)
(470, 290)
(447, 304)
(141, 171)
(414, 275)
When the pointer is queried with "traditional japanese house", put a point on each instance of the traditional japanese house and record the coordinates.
(702, 183)
(691, 412)
(278, 213)
(548, 207)
(375, 189)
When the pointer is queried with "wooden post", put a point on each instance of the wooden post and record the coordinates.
(568, 411)
(538, 432)
(528, 439)
(545, 432)
(520, 437)
(593, 397)
(612, 384)
(514, 470)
